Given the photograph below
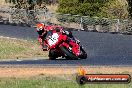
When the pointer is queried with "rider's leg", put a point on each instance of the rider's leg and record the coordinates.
(44, 47)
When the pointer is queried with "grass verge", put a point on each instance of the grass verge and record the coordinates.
(55, 77)
(15, 49)
(52, 82)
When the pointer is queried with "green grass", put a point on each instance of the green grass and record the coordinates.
(13, 48)
(51, 82)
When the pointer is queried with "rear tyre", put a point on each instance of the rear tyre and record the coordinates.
(69, 55)
(83, 53)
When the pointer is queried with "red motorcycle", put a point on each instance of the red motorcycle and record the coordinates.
(60, 45)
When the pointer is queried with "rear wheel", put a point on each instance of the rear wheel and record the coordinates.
(68, 54)
(83, 53)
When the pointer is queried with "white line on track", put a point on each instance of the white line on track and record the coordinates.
(12, 38)
(19, 60)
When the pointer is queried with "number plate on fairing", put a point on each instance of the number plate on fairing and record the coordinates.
(53, 39)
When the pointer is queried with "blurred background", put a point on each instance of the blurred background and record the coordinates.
(90, 15)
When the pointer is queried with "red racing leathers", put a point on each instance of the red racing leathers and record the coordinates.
(42, 37)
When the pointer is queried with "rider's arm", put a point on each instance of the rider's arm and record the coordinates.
(42, 43)
(40, 40)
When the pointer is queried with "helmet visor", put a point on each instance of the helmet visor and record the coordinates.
(40, 32)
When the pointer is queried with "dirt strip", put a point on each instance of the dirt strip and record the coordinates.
(22, 72)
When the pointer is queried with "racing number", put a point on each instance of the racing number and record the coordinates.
(53, 39)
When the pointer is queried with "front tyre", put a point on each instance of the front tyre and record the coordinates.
(68, 53)
(52, 55)
(52, 58)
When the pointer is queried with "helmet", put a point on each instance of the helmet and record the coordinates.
(40, 28)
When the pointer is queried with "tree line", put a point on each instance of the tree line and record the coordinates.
(100, 8)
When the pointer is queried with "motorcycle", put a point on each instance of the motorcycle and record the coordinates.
(59, 45)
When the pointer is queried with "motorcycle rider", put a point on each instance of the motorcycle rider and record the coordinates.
(42, 30)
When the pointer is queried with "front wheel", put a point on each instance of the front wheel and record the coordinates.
(52, 55)
(52, 58)
(68, 54)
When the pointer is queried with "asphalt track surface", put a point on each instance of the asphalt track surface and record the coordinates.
(102, 48)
